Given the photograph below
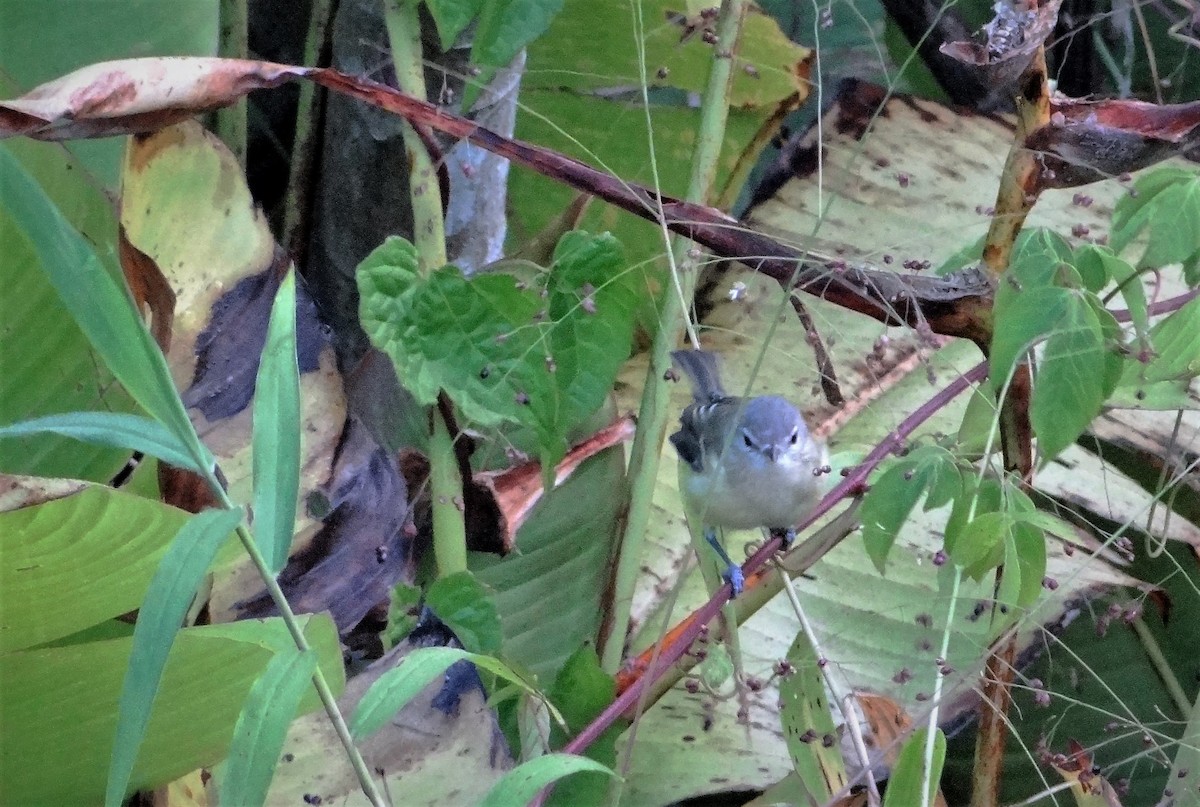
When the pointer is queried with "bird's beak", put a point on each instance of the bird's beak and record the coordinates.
(774, 453)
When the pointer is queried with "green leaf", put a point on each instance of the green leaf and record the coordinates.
(581, 691)
(1023, 317)
(396, 687)
(1071, 380)
(452, 17)
(467, 608)
(103, 545)
(1167, 207)
(929, 469)
(906, 785)
(979, 497)
(101, 307)
(506, 26)
(1025, 552)
(1163, 379)
(263, 725)
(504, 352)
(807, 723)
(981, 546)
(276, 434)
(132, 432)
(49, 365)
(159, 620)
(978, 423)
(962, 258)
(402, 613)
(1127, 278)
(1114, 344)
(716, 669)
(1176, 341)
(1092, 262)
(1132, 209)
(65, 760)
(520, 785)
(1037, 257)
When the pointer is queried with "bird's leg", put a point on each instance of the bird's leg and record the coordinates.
(732, 574)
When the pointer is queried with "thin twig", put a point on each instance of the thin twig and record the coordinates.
(829, 382)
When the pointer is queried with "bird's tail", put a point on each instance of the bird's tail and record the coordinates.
(703, 370)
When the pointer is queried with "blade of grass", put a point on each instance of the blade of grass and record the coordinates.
(98, 303)
(262, 727)
(159, 619)
(118, 430)
(276, 435)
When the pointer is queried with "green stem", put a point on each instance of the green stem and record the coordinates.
(304, 145)
(446, 490)
(289, 618)
(404, 36)
(234, 43)
(652, 416)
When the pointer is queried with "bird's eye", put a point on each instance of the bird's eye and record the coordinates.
(795, 436)
(746, 439)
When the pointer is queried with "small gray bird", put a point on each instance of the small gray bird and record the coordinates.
(746, 462)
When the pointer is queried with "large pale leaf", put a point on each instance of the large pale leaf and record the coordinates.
(99, 548)
(49, 366)
(96, 300)
(59, 709)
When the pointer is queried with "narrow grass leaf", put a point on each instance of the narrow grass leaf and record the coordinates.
(118, 430)
(262, 727)
(167, 599)
(98, 303)
(520, 785)
(277, 432)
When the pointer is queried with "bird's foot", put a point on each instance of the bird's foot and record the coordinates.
(788, 537)
(732, 574)
(736, 580)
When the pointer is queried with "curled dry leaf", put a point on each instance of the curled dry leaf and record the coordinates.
(890, 726)
(135, 95)
(1089, 141)
(27, 491)
(516, 490)
(1010, 40)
